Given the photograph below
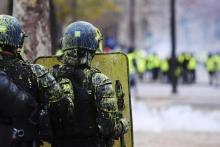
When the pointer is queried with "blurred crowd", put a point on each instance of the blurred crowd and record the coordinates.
(149, 67)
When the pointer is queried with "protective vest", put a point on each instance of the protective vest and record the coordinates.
(216, 59)
(156, 61)
(131, 58)
(82, 124)
(218, 62)
(192, 64)
(150, 62)
(20, 74)
(210, 65)
(164, 66)
(181, 58)
(141, 62)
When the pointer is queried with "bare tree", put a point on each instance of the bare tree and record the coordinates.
(34, 17)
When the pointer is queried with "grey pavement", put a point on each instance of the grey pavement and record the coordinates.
(200, 94)
(196, 95)
(176, 139)
(201, 99)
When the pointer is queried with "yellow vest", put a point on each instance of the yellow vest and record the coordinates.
(192, 64)
(131, 58)
(156, 62)
(141, 62)
(210, 64)
(164, 66)
(150, 62)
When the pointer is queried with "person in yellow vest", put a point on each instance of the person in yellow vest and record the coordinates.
(156, 67)
(216, 60)
(183, 61)
(179, 68)
(164, 68)
(132, 71)
(141, 63)
(192, 69)
(149, 65)
(210, 66)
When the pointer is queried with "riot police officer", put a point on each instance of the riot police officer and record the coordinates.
(96, 121)
(25, 89)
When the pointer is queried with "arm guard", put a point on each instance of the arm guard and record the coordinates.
(59, 103)
(14, 101)
(108, 116)
(47, 83)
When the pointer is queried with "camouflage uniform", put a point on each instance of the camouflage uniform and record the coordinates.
(95, 121)
(25, 89)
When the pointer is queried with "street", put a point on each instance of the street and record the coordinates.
(190, 118)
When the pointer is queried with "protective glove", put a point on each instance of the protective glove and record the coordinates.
(125, 125)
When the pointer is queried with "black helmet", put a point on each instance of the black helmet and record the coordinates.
(11, 34)
(82, 35)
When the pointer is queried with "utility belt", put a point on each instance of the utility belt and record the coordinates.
(18, 130)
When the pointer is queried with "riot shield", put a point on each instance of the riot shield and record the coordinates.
(115, 66)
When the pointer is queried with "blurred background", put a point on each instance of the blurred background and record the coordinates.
(173, 47)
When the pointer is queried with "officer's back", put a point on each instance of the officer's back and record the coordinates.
(25, 89)
(96, 121)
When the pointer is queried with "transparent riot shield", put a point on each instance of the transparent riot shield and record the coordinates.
(115, 66)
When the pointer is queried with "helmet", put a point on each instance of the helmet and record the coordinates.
(11, 34)
(81, 35)
(80, 42)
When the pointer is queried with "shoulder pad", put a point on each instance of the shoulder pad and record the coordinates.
(38, 70)
(100, 79)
